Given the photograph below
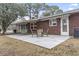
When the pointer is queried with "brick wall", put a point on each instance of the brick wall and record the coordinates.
(73, 23)
(52, 29)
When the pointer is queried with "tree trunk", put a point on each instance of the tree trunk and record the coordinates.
(4, 27)
(3, 32)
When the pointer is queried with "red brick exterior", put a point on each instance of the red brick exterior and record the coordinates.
(73, 23)
(56, 30)
(52, 29)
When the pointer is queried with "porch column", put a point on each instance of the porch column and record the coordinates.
(20, 27)
(24, 27)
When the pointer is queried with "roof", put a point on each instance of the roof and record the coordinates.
(18, 20)
(27, 19)
(23, 20)
(56, 15)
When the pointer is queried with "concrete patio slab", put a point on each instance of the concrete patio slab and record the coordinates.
(47, 42)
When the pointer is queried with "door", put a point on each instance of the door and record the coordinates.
(65, 26)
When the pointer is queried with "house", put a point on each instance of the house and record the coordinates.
(61, 23)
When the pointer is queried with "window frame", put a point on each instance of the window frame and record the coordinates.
(52, 21)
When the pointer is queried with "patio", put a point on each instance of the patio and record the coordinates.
(46, 41)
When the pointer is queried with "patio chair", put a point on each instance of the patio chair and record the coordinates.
(39, 32)
(33, 32)
(45, 31)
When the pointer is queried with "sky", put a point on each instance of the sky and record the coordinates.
(66, 6)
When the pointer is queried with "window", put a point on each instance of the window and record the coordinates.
(64, 24)
(53, 22)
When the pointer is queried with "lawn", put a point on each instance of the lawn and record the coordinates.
(13, 47)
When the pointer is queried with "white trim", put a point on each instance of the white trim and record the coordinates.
(67, 18)
(52, 22)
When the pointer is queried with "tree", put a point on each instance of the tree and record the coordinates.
(34, 9)
(9, 13)
(54, 8)
(50, 10)
(28, 7)
(37, 8)
(46, 13)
